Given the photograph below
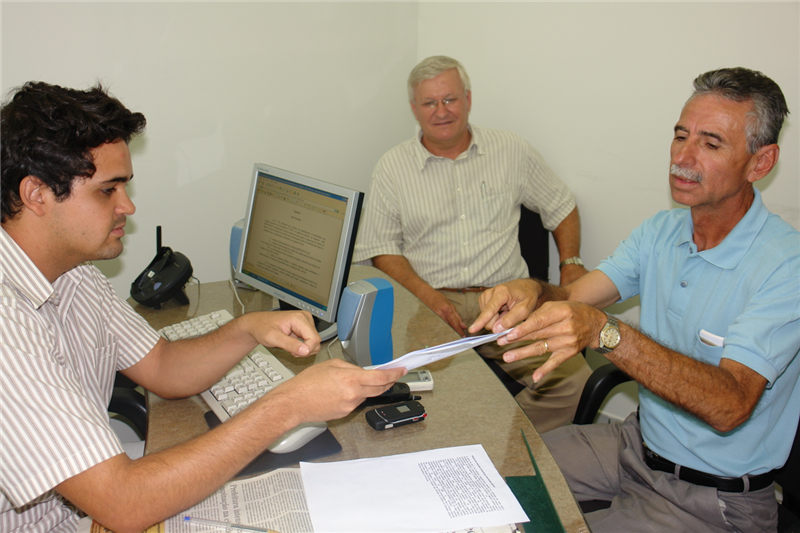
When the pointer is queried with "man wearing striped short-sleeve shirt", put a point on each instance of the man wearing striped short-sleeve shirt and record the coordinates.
(64, 332)
(442, 218)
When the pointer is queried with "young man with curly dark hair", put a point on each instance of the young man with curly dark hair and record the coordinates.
(64, 333)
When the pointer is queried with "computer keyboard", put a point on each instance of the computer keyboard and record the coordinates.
(252, 377)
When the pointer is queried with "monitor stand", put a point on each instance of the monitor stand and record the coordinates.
(326, 330)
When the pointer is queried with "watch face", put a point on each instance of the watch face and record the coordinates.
(610, 337)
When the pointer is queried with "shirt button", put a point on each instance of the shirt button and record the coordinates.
(684, 284)
(463, 217)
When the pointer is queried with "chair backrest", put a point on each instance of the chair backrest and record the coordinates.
(534, 242)
(788, 478)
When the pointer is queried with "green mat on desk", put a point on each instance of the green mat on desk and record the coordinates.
(535, 500)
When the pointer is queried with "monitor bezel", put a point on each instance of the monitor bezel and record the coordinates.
(344, 253)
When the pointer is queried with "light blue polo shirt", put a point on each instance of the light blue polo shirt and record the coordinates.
(746, 290)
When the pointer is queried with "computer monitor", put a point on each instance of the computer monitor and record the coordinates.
(297, 241)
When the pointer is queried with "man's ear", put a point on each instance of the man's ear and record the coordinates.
(765, 160)
(414, 110)
(34, 195)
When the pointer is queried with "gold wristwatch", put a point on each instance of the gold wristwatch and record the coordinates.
(571, 261)
(609, 335)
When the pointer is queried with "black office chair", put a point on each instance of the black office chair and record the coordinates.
(129, 403)
(597, 388)
(534, 243)
(606, 377)
(789, 479)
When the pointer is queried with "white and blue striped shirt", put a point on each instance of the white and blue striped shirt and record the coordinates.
(60, 346)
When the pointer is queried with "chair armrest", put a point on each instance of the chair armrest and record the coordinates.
(789, 480)
(597, 387)
(130, 404)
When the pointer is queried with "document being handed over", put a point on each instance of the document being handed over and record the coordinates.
(419, 358)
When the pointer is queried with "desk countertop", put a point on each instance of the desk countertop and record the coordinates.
(468, 405)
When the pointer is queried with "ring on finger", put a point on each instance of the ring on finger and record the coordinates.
(546, 347)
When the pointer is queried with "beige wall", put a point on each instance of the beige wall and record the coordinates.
(314, 88)
(319, 88)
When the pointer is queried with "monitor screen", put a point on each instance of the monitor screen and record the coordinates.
(297, 241)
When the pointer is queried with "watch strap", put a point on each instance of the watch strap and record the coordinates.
(571, 261)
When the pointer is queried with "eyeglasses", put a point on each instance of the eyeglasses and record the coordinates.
(446, 102)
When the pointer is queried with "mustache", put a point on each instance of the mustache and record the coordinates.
(685, 173)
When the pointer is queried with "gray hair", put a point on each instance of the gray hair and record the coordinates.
(740, 84)
(430, 68)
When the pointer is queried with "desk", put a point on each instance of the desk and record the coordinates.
(468, 405)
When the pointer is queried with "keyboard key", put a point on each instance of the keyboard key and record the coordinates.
(250, 379)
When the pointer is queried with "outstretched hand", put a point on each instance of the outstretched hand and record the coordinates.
(562, 328)
(292, 331)
(505, 305)
(333, 388)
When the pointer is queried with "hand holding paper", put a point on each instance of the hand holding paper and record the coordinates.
(419, 358)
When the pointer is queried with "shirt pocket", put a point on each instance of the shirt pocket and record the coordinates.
(496, 209)
(706, 353)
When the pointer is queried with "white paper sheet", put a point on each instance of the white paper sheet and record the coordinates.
(425, 492)
(419, 358)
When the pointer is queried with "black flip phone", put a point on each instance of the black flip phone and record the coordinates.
(399, 392)
(396, 415)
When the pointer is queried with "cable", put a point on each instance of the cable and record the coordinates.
(236, 293)
(328, 347)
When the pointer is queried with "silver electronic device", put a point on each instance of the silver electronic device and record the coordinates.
(418, 380)
(255, 375)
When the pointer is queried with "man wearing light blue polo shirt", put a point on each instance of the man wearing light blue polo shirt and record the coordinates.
(716, 358)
